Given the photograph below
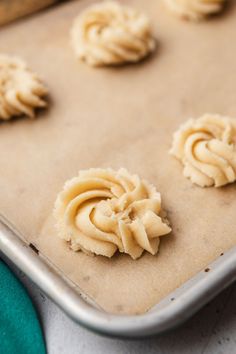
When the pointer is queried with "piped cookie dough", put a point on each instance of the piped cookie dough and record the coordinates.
(110, 34)
(195, 10)
(21, 90)
(207, 149)
(103, 211)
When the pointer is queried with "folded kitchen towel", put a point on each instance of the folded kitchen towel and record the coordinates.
(20, 331)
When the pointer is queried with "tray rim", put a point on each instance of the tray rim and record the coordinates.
(163, 317)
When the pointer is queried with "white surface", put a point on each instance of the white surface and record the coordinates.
(211, 331)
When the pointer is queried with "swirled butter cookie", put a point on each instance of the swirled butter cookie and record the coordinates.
(195, 10)
(102, 211)
(111, 34)
(207, 149)
(21, 90)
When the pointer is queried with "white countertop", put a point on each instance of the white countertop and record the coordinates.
(211, 331)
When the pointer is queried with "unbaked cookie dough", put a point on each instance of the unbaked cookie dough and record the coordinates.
(111, 34)
(21, 90)
(102, 211)
(195, 10)
(207, 149)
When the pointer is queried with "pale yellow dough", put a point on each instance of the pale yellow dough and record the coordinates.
(207, 149)
(102, 211)
(195, 10)
(110, 34)
(21, 90)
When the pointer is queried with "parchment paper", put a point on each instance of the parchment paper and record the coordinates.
(121, 117)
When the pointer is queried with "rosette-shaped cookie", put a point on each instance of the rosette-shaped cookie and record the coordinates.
(111, 34)
(21, 91)
(195, 10)
(102, 211)
(207, 149)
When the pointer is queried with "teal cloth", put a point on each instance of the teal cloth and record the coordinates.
(20, 332)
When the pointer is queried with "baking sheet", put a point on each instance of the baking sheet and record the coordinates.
(121, 117)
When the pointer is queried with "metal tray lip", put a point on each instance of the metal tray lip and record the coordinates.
(125, 326)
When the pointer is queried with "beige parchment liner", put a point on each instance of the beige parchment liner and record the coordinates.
(121, 117)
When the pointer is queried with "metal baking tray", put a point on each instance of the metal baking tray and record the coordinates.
(172, 311)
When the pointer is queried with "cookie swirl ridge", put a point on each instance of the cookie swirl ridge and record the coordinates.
(207, 149)
(21, 91)
(195, 10)
(102, 211)
(110, 34)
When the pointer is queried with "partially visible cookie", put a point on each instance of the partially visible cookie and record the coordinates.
(110, 34)
(195, 10)
(207, 148)
(21, 91)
